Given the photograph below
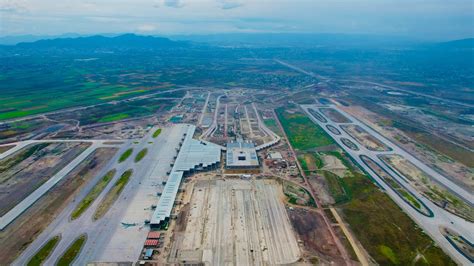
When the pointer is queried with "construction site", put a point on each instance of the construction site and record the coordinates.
(233, 221)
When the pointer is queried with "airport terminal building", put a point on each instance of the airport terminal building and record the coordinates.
(193, 155)
(241, 155)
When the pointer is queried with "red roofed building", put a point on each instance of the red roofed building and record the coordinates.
(153, 235)
(151, 243)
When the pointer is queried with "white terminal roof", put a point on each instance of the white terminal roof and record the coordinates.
(241, 154)
(194, 154)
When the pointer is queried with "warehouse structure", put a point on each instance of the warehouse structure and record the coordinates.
(193, 155)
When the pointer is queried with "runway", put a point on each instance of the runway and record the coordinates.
(21, 207)
(108, 239)
(430, 225)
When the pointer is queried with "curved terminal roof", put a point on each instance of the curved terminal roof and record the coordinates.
(193, 155)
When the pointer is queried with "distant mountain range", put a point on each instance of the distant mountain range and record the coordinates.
(125, 41)
(330, 40)
(461, 44)
(333, 40)
(132, 41)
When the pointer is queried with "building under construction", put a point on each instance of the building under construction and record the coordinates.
(241, 155)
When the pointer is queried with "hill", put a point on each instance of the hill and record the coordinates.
(126, 41)
(300, 40)
(458, 44)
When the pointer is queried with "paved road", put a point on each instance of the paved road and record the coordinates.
(430, 225)
(203, 112)
(364, 261)
(108, 235)
(266, 131)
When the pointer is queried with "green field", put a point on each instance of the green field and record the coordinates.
(337, 186)
(301, 131)
(157, 133)
(273, 126)
(310, 161)
(113, 117)
(35, 83)
(93, 194)
(44, 252)
(141, 154)
(125, 155)
(112, 194)
(63, 84)
(71, 253)
(369, 212)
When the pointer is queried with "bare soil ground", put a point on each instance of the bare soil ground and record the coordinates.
(18, 235)
(6, 148)
(26, 171)
(334, 115)
(334, 165)
(316, 238)
(320, 186)
(364, 138)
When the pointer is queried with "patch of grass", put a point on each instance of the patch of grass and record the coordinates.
(93, 194)
(453, 151)
(388, 252)
(273, 126)
(125, 155)
(71, 253)
(378, 222)
(410, 198)
(156, 133)
(301, 131)
(303, 163)
(298, 195)
(318, 161)
(140, 155)
(113, 194)
(113, 117)
(337, 187)
(44, 252)
(310, 161)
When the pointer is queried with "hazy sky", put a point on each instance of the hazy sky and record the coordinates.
(430, 19)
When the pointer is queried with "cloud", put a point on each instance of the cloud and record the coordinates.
(12, 7)
(174, 3)
(225, 4)
(146, 28)
(104, 19)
